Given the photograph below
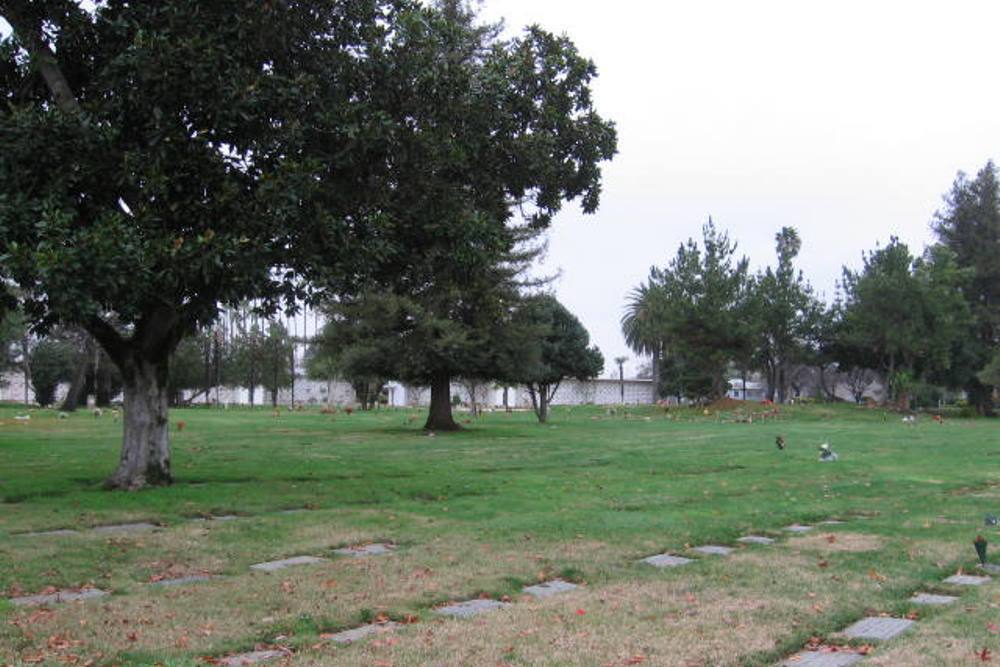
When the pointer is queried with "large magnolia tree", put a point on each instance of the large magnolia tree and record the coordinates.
(158, 159)
(161, 159)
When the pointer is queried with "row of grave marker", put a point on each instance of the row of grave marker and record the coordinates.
(873, 628)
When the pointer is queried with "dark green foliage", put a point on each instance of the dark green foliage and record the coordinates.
(969, 226)
(905, 314)
(783, 316)
(52, 361)
(261, 358)
(551, 345)
(699, 305)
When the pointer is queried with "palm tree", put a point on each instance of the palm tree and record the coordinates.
(640, 326)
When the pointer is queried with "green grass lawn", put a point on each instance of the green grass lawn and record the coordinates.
(505, 503)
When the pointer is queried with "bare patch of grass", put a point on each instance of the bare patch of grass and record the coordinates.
(838, 542)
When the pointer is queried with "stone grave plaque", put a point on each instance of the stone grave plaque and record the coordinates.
(823, 659)
(377, 549)
(797, 528)
(57, 597)
(65, 532)
(666, 560)
(713, 550)
(549, 588)
(966, 580)
(756, 539)
(357, 634)
(251, 658)
(930, 599)
(878, 627)
(470, 608)
(180, 581)
(114, 529)
(273, 565)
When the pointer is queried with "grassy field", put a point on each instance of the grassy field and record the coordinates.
(507, 502)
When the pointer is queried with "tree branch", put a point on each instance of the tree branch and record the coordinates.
(109, 339)
(29, 32)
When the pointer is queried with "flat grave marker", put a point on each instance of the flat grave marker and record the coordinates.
(57, 597)
(931, 599)
(966, 580)
(273, 565)
(64, 532)
(357, 634)
(377, 549)
(823, 659)
(549, 588)
(756, 539)
(116, 528)
(252, 658)
(881, 628)
(181, 581)
(666, 560)
(470, 608)
(992, 568)
(797, 528)
(713, 550)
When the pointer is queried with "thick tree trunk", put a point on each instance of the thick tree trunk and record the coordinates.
(145, 457)
(439, 416)
(656, 374)
(981, 397)
(72, 400)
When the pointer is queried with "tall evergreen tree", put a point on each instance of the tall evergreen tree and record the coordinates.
(786, 316)
(906, 312)
(969, 225)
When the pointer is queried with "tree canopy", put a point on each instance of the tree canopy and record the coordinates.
(158, 160)
(552, 346)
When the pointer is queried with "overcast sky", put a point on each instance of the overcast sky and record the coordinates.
(847, 120)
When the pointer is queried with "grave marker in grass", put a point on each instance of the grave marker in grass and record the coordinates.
(666, 560)
(252, 658)
(967, 580)
(823, 659)
(273, 565)
(470, 608)
(376, 549)
(933, 600)
(549, 588)
(357, 634)
(57, 597)
(881, 628)
(713, 550)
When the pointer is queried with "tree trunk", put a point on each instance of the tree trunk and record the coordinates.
(543, 404)
(656, 374)
(145, 457)
(772, 380)
(981, 397)
(439, 416)
(72, 400)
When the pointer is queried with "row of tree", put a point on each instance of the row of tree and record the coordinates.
(254, 355)
(928, 319)
(162, 160)
(497, 336)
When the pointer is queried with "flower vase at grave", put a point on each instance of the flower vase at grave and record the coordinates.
(980, 544)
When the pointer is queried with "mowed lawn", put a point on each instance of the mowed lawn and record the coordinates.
(504, 504)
